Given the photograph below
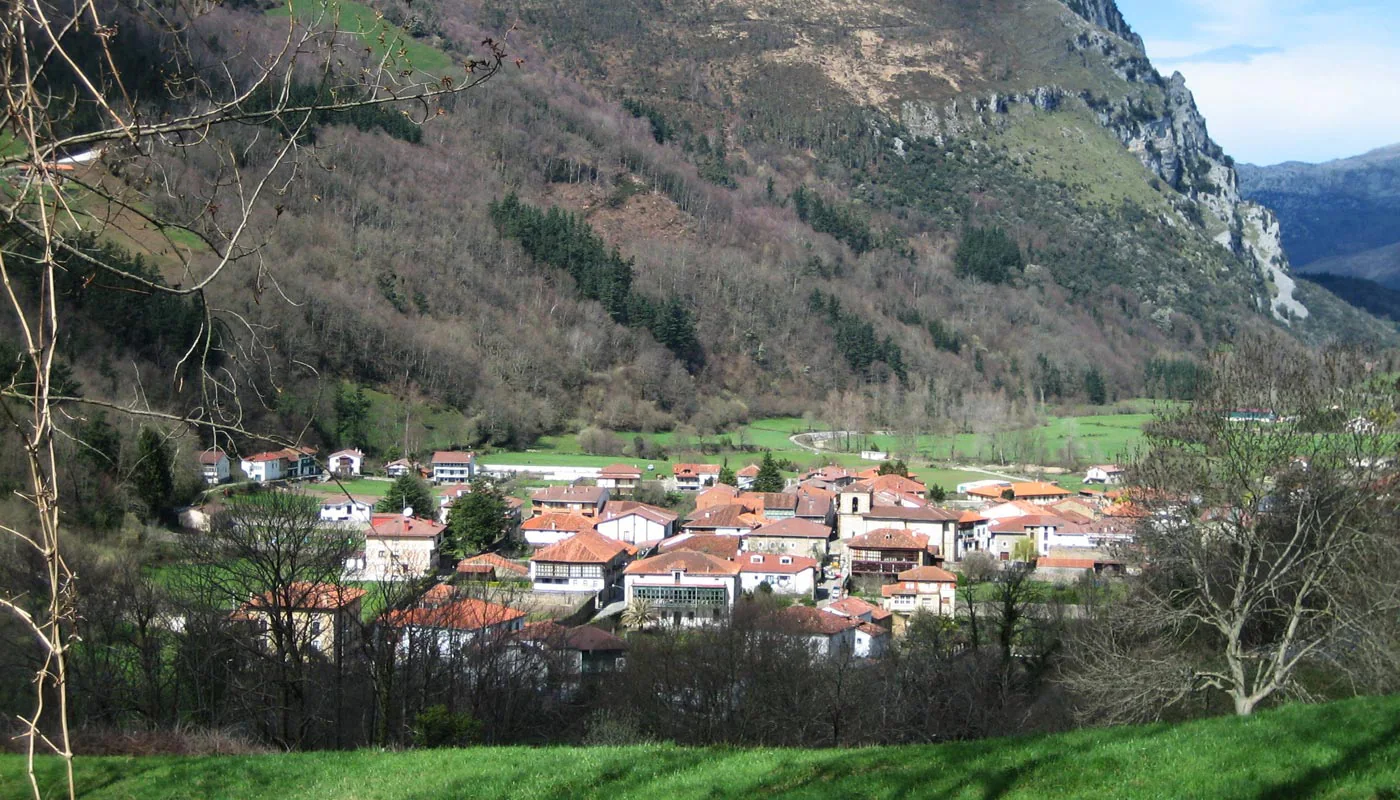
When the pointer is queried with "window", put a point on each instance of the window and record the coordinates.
(785, 560)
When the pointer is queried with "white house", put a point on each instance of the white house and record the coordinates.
(547, 529)
(939, 524)
(584, 562)
(694, 477)
(399, 548)
(620, 478)
(346, 462)
(347, 509)
(874, 455)
(453, 466)
(784, 574)
(730, 520)
(1104, 473)
(400, 468)
(922, 589)
(871, 640)
(213, 463)
(635, 523)
(264, 467)
(685, 588)
(746, 476)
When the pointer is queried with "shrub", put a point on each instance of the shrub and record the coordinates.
(435, 726)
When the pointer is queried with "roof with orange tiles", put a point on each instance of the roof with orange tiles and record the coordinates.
(888, 539)
(694, 470)
(810, 621)
(1066, 563)
(453, 457)
(397, 526)
(718, 495)
(569, 494)
(762, 501)
(732, 515)
(856, 607)
(307, 596)
(794, 528)
(970, 517)
(492, 561)
(467, 614)
(620, 471)
(557, 521)
(775, 563)
(687, 561)
(616, 509)
(714, 544)
(871, 629)
(1019, 524)
(1022, 490)
(811, 505)
(211, 456)
(751, 471)
(905, 514)
(587, 547)
(271, 455)
(928, 575)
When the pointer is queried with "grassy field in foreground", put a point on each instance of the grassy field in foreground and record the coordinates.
(1341, 750)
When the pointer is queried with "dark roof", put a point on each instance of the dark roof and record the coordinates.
(795, 528)
(888, 539)
(924, 514)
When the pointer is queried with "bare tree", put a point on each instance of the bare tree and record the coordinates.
(1270, 517)
(97, 153)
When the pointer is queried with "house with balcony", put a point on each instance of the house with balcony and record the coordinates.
(453, 466)
(1106, 474)
(791, 536)
(272, 465)
(684, 588)
(939, 524)
(585, 501)
(346, 463)
(636, 523)
(620, 478)
(928, 589)
(879, 556)
(794, 576)
(1034, 492)
(586, 562)
(214, 466)
(400, 467)
(695, 477)
(301, 463)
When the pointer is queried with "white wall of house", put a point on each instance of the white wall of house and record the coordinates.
(217, 472)
(454, 473)
(850, 505)
(392, 558)
(541, 471)
(868, 645)
(729, 583)
(589, 577)
(264, 471)
(796, 545)
(843, 643)
(450, 640)
(634, 528)
(545, 538)
(348, 463)
(346, 511)
(799, 584)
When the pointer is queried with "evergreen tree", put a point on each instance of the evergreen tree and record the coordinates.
(896, 467)
(727, 476)
(151, 475)
(988, 255)
(351, 416)
(770, 478)
(476, 521)
(1094, 387)
(408, 491)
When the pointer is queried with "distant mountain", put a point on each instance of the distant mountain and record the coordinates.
(1341, 217)
(1364, 294)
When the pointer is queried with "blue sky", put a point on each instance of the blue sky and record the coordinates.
(1282, 80)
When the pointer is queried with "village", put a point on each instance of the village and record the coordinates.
(845, 557)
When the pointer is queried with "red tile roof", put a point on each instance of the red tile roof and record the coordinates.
(855, 607)
(569, 494)
(616, 509)
(718, 495)
(794, 528)
(1021, 490)
(726, 516)
(467, 614)
(307, 596)
(585, 638)
(971, 517)
(620, 471)
(928, 575)
(718, 545)
(759, 502)
(774, 563)
(694, 470)
(888, 539)
(1019, 524)
(397, 526)
(751, 471)
(453, 457)
(691, 563)
(211, 456)
(871, 629)
(1067, 563)
(905, 514)
(271, 455)
(810, 621)
(587, 547)
(555, 521)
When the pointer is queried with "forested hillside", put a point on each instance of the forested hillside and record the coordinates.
(678, 210)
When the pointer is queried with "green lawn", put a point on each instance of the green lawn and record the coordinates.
(378, 35)
(358, 487)
(1342, 750)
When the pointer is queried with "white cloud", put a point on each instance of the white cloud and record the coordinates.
(1312, 103)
